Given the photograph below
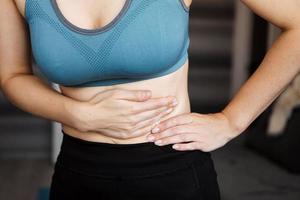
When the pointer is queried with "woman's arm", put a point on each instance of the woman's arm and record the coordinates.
(279, 67)
(17, 82)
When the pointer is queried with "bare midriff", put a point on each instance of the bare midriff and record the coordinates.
(173, 84)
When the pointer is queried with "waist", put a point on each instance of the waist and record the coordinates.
(126, 160)
(183, 106)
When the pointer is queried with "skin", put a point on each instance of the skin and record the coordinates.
(205, 132)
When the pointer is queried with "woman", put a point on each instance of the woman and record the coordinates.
(119, 140)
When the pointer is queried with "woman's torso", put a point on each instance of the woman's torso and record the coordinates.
(174, 83)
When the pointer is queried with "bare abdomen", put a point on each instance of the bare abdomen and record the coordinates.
(172, 84)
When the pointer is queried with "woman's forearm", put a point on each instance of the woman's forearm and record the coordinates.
(31, 94)
(278, 68)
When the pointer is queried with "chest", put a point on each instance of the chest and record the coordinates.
(145, 37)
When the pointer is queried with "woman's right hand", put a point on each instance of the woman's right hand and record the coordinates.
(121, 113)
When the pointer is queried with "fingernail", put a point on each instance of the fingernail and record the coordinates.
(155, 130)
(150, 138)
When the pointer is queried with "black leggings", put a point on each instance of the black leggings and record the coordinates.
(143, 171)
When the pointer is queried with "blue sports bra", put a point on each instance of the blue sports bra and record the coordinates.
(147, 39)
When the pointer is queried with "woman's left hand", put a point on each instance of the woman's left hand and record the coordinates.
(192, 131)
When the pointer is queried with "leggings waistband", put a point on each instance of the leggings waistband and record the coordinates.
(108, 160)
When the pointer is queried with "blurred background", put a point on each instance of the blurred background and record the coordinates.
(228, 42)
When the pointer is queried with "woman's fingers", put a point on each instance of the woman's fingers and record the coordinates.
(150, 123)
(175, 130)
(177, 138)
(173, 121)
(132, 123)
(151, 104)
(191, 146)
(187, 146)
(142, 129)
(152, 113)
(170, 132)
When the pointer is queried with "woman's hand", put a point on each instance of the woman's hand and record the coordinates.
(120, 113)
(191, 131)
